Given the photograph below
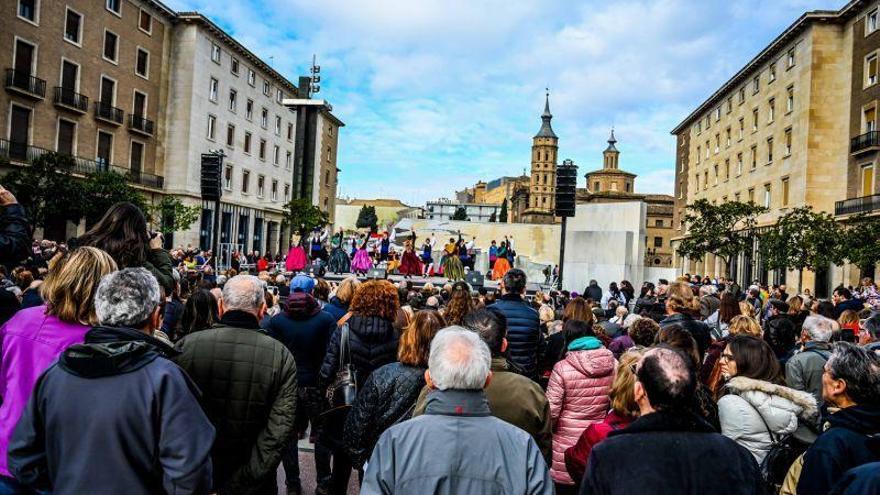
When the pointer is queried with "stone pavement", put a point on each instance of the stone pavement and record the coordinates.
(307, 472)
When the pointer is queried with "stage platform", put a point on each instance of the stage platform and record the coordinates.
(438, 282)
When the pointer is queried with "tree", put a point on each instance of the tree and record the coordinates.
(502, 217)
(802, 239)
(460, 214)
(103, 190)
(860, 242)
(367, 219)
(721, 229)
(492, 218)
(303, 215)
(47, 189)
(173, 216)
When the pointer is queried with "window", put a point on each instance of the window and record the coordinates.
(787, 142)
(708, 122)
(252, 78)
(289, 131)
(264, 118)
(145, 22)
(739, 164)
(279, 95)
(756, 85)
(596, 187)
(213, 89)
(234, 66)
(104, 155)
(230, 135)
(729, 104)
(736, 197)
(717, 114)
(751, 195)
(772, 72)
(108, 91)
(66, 142)
(769, 150)
(727, 137)
(142, 65)
(276, 155)
(261, 185)
(139, 105)
(699, 127)
(717, 143)
(790, 61)
(715, 171)
(705, 180)
(249, 109)
(726, 169)
(288, 161)
(212, 126)
(277, 125)
(871, 22)
(262, 153)
(215, 53)
(754, 157)
(658, 223)
(286, 192)
(267, 89)
(233, 100)
(869, 119)
(785, 191)
(766, 195)
(136, 157)
(742, 95)
(871, 70)
(274, 190)
(699, 149)
(658, 242)
(73, 27)
(789, 99)
(867, 180)
(245, 179)
(707, 149)
(742, 128)
(247, 142)
(114, 6)
(755, 120)
(111, 46)
(680, 189)
(771, 113)
(227, 178)
(27, 10)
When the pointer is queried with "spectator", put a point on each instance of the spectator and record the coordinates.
(338, 305)
(781, 334)
(851, 386)
(122, 232)
(843, 300)
(390, 393)
(680, 306)
(250, 396)
(719, 320)
(849, 327)
(870, 335)
(681, 340)
(593, 292)
(524, 336)
(755, 408)
(512, 397)
(460, 304)
(149, 435)
(798, 312)
(644, 332)
(554, 346)
(14, 230)
(804, 370)
(199, 313)
(709, 301)
(578, 393)
(34, 338)
(457, 446)
(305, 330)
(647, 457)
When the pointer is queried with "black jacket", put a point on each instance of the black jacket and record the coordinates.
(853, 304)
(699, 330)
(388, 397)
(114, 415)
(248, 382)
(305, 330)
(373, 343)
(336, 308)
(525, 341)
(15, 239)
(593, 292)
(670, 453)
(852, 439)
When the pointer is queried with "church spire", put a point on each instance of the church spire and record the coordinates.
(611, 154)
(611, 142)
(546, 130)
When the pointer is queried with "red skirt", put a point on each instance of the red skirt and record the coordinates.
(410, 264)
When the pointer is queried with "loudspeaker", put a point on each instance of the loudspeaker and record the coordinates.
(377, 274)
(566, 189)
(211, 170)
(315, 269)
(474, 279)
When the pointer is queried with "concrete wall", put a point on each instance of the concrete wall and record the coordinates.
(539, 242)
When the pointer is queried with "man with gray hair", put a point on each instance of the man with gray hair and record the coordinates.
(457, 446)
(116, 393)
(249, 384)
(804, 370)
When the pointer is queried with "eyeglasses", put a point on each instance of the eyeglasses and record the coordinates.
(726, 357)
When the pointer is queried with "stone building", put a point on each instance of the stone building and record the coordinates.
(795, 126)
(444, 209)
(542, 188)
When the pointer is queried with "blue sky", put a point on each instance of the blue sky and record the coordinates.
(438, 94)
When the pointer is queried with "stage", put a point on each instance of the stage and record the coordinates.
(438, 282)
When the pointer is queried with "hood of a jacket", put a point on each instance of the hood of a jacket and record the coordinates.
(302, 306)
(111, 351)
(780, 406)
(592, 363)
(371, 328)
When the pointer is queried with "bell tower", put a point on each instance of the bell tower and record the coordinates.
(542, 186)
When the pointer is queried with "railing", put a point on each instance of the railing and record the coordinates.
(69, 98)
(865, 204)
(864, 141)
(23, 153)
(140, 124)
(108, 112)
(25, 82)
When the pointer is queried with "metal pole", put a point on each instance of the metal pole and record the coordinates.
(562, 251)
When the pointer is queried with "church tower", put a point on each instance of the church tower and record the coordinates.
(542, 186)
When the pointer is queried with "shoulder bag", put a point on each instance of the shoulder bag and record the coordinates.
(343, 390)
(783, 452)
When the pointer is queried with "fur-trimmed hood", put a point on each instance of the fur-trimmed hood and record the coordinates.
(762, 394)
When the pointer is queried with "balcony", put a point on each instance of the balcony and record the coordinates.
(865, 204)
(25, 84)
(23, 154)
(869, 141)
(69, 99)
(140, 125)
(108, 113)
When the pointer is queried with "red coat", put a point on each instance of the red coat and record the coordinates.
(576, 456)
(262, 265)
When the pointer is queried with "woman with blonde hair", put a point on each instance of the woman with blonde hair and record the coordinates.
(682, 306)
(746, 309)
(35, 337)
(338, 304)
(624, 410)
(389, 394)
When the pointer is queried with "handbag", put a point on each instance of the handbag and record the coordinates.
(343, 390)
(784, 450)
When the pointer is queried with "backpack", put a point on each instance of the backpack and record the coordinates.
(784, 450)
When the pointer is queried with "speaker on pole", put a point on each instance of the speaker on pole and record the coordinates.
(211, 176)
(566, 188)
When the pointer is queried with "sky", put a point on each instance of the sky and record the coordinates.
(437, 94)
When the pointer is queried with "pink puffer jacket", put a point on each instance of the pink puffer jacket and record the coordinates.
(578, 396)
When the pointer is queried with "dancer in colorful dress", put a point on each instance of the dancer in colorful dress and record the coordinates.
(502, 265)
(362, 263)
(452, 267)
(427, 259)
(296, 257)
(339, 260)
(410, 265)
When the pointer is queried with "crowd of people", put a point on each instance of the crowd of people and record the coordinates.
(128, 368)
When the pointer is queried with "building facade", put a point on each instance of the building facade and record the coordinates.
(444, 209)
(388, 212)
(787, 130)
(542, 187)
(88, 79)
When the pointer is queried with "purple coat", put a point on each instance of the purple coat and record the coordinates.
(29, 343)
